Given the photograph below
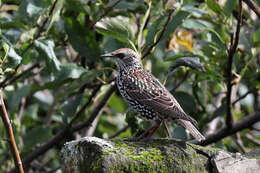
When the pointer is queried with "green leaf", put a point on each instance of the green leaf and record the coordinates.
(10, 59)
(117, 103)
(214, 6)
(192, 62)
(82, 39)
(196, 24)
(13, 57)
(197, 12)
(14, 97)
(175, 22)
(37, 135)
(229, 7)
(30, 10)
(143, 21)
(256, 36)
(186, 101)
(47, 48)
(154, 28)
(56, 13)
(69, 71)
(120, 28)
(30, 115)
(12, 24)
(69, 108)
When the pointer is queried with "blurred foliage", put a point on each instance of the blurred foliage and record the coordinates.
(50, 65)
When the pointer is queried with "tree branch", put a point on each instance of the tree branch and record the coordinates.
(69, 128)
(231, 53)
(243, 96)
(242, 124)
(253, 6)
(180, 82)
(10, 134)
(160, 36)
(251, 138)
(96, 111)
(118, 132)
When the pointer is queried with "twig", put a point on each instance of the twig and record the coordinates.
(251, 138)
(93, 94)
(231, 53)
(240, 142)
(95, 112)
(105, 12)
(253, 6)
(13, 146)
(46, 20)
(21, 110)
(256, 128)
(160, 36)
(118, 132)
(4, 83)
(243, 96)
(180, 82)
(69, 128)
(242, 124)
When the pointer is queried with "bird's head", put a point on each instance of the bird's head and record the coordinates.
(126, 58)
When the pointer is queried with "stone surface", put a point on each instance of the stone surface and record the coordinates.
(94, 155)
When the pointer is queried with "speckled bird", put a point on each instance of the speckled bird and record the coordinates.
(144, 93)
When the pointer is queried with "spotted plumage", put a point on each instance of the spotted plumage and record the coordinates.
(144, 93)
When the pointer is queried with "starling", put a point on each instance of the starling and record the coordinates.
(144, 93)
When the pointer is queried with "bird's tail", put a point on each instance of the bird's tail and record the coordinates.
(191, 128)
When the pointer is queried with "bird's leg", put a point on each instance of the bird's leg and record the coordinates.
(148, 133)
(167, 129)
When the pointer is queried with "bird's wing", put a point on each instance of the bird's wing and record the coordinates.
(148, 91)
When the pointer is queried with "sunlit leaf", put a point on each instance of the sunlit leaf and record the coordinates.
(117, 103)
(56, 13)
(10, 59)
(120, 28)
(30, 10)
(47, 48)
(256, 36)
(191, 8)
(196, 24)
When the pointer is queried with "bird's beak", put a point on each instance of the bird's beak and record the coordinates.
(107, 55)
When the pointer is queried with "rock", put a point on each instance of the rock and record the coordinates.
(95, 155)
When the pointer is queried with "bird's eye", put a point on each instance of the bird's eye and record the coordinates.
(120, 55)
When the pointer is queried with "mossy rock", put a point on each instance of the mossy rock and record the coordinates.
(94, 155)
